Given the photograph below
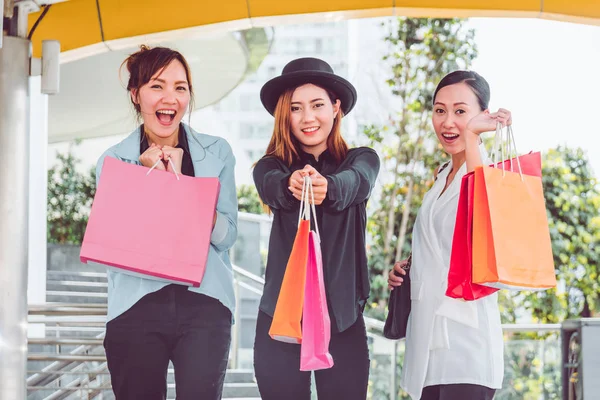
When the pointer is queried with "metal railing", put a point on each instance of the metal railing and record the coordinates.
(74, 317)
(86, 361)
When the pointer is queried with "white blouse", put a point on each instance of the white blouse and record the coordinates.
(448, 340)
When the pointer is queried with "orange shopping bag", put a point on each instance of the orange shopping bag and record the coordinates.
(286, 325)
(511, 237)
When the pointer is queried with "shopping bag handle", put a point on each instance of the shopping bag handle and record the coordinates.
(156, 164)
(511, 138)
(306, 205)
(511, 149)
(498, 146)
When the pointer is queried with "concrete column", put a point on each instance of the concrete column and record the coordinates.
(38, 199)
(14, 209)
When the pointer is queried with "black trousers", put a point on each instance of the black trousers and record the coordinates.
(277, 366)
(173, 324)
(457, 392)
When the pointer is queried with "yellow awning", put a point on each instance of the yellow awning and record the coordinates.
(86, 27)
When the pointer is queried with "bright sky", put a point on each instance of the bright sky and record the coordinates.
(546, 73)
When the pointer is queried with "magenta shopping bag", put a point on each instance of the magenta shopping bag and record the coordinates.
(316, 325)
(156, 225)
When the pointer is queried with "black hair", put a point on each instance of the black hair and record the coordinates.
(476, 82)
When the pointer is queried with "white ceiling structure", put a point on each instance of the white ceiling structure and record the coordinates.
(93, 101)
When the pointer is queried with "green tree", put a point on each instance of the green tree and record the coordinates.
(248, 200)
(421, 52)
(572, 197)
(573, 200)
(70, 196)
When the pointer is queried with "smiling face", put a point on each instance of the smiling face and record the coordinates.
(311, 117)
(453, 107)
(164, 100)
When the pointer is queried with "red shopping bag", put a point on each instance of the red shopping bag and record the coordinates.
(127, 231)
(460, 274)
(316, 325)
(460, 284)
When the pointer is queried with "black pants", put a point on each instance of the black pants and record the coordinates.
(277, 366)
(458, 392)
(190, 329)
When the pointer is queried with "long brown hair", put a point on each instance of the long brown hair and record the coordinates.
(285, 146)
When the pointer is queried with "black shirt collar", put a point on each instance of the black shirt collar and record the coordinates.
(182, 142)
(307, 157)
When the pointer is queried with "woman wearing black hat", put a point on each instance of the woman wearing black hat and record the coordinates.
(308, 102)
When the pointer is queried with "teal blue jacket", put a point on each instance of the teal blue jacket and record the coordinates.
(212, 157)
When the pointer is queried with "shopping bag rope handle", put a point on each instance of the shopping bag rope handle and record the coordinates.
(306, 205)
(511, 149)
(312, 205)
(303, 209)
(156, 164)
(511, 135)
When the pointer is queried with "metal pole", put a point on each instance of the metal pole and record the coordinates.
(1, 21)
(235, 340)
(14, 205)
(394, 363)
(38, 199)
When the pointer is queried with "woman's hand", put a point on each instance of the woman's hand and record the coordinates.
(487, 122)
(295, 183)
(319, 184)
(175, 155)
(396, 274)
(151, 156)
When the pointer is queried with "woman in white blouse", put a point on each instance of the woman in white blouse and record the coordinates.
(454, 348)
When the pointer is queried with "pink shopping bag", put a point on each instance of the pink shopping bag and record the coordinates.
(156, 225)
(316, 325)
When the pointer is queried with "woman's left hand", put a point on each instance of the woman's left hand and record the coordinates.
(487, 122)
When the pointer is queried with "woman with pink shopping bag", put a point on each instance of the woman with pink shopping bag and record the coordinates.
(316, 325)
(151, 322)
(308, 102)
(454, 348)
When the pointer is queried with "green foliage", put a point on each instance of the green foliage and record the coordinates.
(248, 200)
(532, 369)
(70, 195)
(421, 52)
(572, 200)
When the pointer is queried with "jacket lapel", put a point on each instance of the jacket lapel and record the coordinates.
(206, 164)
(129, 149)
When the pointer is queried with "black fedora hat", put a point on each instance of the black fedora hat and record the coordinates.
(308, 70)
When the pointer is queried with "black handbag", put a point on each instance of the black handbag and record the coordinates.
(399, 307)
